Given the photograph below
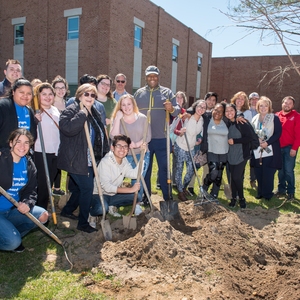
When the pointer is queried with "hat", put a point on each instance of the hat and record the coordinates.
(253, 95)
(152, 70)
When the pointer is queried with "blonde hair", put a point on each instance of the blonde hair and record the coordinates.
(86, 87)
(119, 103)
(264, 100)
(246, 100)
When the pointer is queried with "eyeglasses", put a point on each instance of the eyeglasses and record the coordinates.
(59, 88)
(119, 146)
(86, 94)
(120, 81)
(105, 84)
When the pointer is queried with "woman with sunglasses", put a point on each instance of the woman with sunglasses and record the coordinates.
(18, 178)
(74, 155)
(104, 95)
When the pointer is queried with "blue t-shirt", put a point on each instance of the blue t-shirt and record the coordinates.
(23, 116)
(20, 179)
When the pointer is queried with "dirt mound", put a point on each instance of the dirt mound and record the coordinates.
(210, 253)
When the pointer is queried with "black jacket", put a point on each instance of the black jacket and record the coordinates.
(28, 193)
(9, 121)
(72, 152)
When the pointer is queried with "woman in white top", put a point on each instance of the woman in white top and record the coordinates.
(49, 124)
(241, 102)
(191, 128)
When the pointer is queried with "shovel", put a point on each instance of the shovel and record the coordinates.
(105, 225)
(38, 223)
(169, 208)
(128, 221)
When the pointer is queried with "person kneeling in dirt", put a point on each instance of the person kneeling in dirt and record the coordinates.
(113, 168)
(18, 179)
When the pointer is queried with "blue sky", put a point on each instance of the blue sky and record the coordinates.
(204, 15)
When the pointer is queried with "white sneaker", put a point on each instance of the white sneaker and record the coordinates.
(112, 210)
(138, 210)
(92, 221)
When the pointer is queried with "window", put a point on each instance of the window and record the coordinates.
(19, 34)
(175, 53)
(73, 28)
(138, 36)
(199, 63)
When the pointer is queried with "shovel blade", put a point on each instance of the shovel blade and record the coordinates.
(106, 230)
(169, 210)
(129, 222)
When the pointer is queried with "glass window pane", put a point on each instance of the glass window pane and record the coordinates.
(19, 34)
(199, 63)
(73, 28)
(175, 53)
(138, 36)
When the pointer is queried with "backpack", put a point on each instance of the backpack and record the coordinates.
(254, 144)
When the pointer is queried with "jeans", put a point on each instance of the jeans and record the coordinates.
(96, 206)
(159, 148)
(14, 225)
(146, 165)
(119, 199)
(286, 176)
(82, 192)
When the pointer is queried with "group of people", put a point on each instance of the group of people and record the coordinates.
(114, 129)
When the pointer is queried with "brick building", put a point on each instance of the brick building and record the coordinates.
(230, 75)
(71, 38)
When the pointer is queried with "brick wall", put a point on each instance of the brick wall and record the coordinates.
(230, 75)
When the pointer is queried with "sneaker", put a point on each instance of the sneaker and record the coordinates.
(158, 186)
(92, 221)
(138, 210)
(290, 197)
(232, 203)
(113, 211)
(145, 201)
(253, 184)
(58, 192)
(242, 203)
(19, 249)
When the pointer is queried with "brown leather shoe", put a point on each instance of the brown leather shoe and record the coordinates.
(182, 196)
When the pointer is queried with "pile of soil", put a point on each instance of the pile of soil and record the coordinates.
(208, 253)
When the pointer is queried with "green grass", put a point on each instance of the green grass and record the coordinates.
(29, 275)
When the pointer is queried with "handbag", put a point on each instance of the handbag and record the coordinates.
(200, 158)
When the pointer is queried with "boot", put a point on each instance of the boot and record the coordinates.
(232, 202)
(242, 203)
(182, 196)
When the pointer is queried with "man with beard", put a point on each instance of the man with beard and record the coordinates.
(289, 144)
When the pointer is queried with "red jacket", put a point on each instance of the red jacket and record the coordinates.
(290, 129)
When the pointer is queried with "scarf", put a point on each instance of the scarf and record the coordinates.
(265, 129)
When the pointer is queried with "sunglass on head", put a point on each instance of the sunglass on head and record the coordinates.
(86, 94)
(120, 81)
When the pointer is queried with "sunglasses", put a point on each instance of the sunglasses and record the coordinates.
(120, 81)
(86, 94)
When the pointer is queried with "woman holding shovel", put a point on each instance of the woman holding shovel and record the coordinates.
(126, 119)
(191, 128)
(74, 155)
(49, 116)
(19, 181)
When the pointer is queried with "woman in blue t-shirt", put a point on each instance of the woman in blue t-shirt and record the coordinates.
(19, 181)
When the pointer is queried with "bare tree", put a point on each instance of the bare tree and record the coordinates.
(277, 20)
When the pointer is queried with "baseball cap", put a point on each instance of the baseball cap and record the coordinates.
(253, 95)
(152, 70)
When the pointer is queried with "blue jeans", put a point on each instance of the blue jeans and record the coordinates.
(146, 165)
(82, 192)
(119, 199)
(14, 225)
(96, 206)
(159, 148)
(286, 176)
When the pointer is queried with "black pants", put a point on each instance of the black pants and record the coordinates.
(237, 179)
(42, 189)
